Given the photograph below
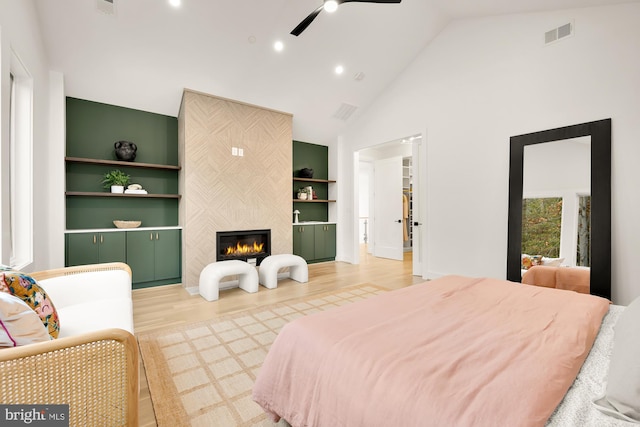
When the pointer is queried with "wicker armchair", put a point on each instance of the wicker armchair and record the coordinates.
(95, 373)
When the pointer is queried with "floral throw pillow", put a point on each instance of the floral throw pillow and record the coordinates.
(27, 289)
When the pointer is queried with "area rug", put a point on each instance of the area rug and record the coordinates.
(201, 374)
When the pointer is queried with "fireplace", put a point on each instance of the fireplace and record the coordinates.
(250, 246)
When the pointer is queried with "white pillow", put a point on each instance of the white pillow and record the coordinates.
(19, 324)
(622, 397)
(552, 262)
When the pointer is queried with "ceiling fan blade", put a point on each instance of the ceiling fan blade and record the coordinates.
(369, 1)
(306, 21)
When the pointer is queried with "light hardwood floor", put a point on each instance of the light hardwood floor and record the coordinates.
(167, 306)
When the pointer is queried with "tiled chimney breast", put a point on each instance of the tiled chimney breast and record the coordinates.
(222, 192)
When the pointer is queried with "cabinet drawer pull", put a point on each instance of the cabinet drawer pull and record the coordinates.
(157, 236)
(94, 239)
(150, 236)
(101, 238)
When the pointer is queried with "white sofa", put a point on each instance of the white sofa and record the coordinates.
(93, 364)
(90, 300)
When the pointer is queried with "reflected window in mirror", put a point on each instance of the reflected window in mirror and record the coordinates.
(541, 224)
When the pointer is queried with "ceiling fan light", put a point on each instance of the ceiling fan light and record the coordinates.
(330, 5)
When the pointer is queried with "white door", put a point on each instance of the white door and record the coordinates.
(388, 208)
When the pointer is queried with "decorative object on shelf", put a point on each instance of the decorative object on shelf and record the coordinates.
(116, 180)
(125, 150)
(295, 216)
(306, 173)
(126, 224)
(302, 194)
(309, 192)
(135, 189)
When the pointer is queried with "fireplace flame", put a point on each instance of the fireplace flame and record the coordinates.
(245, 249)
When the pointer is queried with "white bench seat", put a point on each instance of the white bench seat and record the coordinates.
(269, 267)
(209, 285)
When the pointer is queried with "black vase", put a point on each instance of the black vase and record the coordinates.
(125, 150)
(306, 173)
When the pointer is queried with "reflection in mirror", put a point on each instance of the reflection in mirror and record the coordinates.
(550, 179)
(556, 203)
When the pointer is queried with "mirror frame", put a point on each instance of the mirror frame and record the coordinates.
(600, 132)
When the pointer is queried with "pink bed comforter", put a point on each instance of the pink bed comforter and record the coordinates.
(455, 351)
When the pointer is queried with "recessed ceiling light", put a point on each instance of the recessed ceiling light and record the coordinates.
(330, 5)
(251, 39)
(175, 3)
(278, 46)
(339, 69)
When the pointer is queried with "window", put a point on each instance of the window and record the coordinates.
(541, 226)
(18, 193)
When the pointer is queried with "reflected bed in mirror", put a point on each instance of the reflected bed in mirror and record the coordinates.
(560, 204)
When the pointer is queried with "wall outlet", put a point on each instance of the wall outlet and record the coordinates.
(234, 151)
(240, 152)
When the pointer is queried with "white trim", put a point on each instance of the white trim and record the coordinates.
(21, 165)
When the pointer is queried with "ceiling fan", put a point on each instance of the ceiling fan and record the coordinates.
(331, 6)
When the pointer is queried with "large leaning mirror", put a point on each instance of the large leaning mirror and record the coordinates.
(560, 201)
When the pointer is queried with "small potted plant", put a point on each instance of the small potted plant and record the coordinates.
(116, 180)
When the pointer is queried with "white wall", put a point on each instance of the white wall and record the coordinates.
(19, 31)
(484, 80)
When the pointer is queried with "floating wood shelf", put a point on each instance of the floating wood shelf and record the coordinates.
(99, 194)
(120, 163)
(314, 180)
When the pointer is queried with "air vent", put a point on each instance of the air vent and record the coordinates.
(344, 112)
(559, 33)
(107, 7)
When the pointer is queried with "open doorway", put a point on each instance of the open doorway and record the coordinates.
(388, 201)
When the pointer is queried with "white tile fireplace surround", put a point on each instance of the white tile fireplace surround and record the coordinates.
(223, 191)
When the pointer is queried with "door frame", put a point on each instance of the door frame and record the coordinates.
(420, 200)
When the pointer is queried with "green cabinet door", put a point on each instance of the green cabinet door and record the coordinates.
(153, 255)
(304, 241)
(112, 247)
(82, 249)
(325, 241)
(93, 248)
(330, 241)
(167, 254)
(140, 255)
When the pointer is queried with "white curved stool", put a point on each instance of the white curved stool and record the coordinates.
(210, 276)
(269, 267)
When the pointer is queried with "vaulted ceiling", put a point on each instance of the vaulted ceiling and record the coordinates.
(144, 54)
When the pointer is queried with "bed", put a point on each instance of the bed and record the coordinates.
(456, 351)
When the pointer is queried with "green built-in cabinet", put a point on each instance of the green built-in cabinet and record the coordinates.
(152, 254)
(92, 128)
(315, 242)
